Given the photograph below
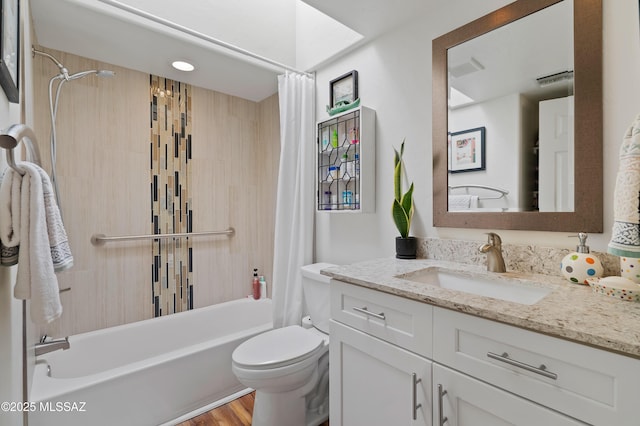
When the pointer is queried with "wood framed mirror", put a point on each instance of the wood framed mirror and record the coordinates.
(585, 206)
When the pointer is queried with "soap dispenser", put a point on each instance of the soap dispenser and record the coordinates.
(581, 265)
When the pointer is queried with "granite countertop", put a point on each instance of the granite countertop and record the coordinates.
(570, 311)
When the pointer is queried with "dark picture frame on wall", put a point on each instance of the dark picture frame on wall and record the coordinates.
(10, 49)
(344, 89)
(467, 150)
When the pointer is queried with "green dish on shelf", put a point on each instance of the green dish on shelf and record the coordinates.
(342, 106)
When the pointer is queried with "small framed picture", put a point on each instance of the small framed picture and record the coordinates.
(467, 150)
(344, 89)
(9, 45)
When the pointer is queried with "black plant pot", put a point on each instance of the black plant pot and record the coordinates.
(406, 247)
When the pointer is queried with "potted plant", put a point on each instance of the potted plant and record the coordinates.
(402, 211)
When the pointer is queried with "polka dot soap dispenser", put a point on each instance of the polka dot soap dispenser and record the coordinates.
(580, 265)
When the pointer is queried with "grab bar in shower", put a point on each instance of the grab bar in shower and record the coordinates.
(9, 140)
(100, 239)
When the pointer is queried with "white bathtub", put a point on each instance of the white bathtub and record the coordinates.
(151, 372)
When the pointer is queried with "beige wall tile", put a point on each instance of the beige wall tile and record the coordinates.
(103, 161)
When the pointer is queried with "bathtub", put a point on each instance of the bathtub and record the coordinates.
(154, 372)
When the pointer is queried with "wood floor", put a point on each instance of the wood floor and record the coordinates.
(236, 413)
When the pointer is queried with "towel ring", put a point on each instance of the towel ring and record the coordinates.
(9, 140)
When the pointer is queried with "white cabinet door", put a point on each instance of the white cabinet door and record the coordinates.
(375, 383)
(460, 400)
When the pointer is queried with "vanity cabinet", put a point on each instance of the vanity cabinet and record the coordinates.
(592, 385)
(391, 357)
(373, 382)
(345, 166)
(374, 379)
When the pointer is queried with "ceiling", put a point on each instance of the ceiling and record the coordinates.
(121, 33)
(511, 58)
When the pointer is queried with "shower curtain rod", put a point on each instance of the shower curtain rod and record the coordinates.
(197, 34)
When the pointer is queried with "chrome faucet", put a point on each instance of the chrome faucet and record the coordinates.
(493, 249)
(44, 347)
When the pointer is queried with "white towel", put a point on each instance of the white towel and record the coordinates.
(9, 224)
(625, 236)
(44, 248)
(463, 202)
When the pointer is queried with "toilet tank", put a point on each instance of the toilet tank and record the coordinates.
(315, 288)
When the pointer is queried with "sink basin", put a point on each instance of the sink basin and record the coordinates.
(495, 286)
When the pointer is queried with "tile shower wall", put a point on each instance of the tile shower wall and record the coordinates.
(171, 201)
(104, 177)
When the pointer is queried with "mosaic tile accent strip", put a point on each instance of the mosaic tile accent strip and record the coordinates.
(171, 208)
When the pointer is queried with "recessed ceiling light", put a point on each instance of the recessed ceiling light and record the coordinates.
(183, 66)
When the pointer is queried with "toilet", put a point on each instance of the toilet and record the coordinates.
(289, 367)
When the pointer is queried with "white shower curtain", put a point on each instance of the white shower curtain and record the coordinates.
(295, 200)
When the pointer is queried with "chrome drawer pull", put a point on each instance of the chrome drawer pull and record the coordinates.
(414, 403)
(364, 310)
(542, 370)
(441, 419)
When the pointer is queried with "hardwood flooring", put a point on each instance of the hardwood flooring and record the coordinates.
(236, 413)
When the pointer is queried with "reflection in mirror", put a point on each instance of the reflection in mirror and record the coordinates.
(516, 83)
(517, 119)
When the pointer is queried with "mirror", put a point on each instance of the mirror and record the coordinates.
(498, 139)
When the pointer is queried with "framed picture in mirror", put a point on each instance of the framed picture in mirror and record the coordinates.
(467, 150)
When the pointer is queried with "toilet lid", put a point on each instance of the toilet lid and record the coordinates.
(279, 347)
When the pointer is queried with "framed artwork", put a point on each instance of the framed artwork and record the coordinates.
(344, 89)
(467, 150)
(9, 49)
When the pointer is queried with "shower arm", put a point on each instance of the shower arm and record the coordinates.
(63, 70)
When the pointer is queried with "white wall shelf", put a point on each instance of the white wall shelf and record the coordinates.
(345, 162)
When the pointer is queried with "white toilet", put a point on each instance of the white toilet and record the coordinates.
(289, 367)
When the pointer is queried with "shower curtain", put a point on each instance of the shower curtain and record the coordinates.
(295, 200)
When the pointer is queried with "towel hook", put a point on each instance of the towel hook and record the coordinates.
(9, 140)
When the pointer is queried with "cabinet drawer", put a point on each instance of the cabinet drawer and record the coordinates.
(592, 385)
(465, 401)
(397, 320)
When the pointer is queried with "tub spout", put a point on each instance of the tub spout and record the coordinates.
(44, 347)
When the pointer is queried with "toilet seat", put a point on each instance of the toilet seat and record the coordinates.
(277, 348)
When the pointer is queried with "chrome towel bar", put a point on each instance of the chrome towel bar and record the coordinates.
(100, 239)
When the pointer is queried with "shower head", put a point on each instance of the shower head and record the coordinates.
(105, 73)
(99, 73)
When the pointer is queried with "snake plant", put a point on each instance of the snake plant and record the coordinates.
(402, 209)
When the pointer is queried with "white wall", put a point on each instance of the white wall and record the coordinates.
(503, 148)
(10, 308)
(395, 80)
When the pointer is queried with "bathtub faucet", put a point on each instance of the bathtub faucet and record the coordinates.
(44, 347)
